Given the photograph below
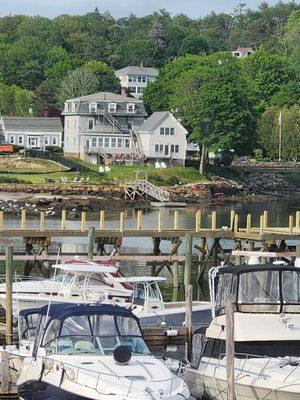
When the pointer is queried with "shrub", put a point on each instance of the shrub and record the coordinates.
(54, 149)
(7, 179)
(156, 179)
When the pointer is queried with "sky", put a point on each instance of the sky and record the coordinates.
(121, 8)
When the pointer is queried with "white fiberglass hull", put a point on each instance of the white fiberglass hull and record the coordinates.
(255, 379)
(174, 314)
(98, 378)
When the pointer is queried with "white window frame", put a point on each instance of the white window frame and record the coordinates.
(22, 140)
(112, 107)
(46, 140)
(93, 107)
(106, 142)
(54, 141)
(93, 142)
(100, 142)
(92, 121)
(12, 139)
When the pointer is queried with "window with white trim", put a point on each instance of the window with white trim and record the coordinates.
(94, 142)
(112, 107)
(54, 141)
(20, 139)
(100, 142)
(12, 140)
(91, 123)
(130, 108)
(172, 131)
(167, 131)
(162, 131)
(120, 142)
(106, 142)
(46, 140)
(127, 143)
(176, 148)
(113, 142)
(93, 107)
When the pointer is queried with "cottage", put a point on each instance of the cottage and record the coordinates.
(242, 52)
(31, 132)
(135, 79)
(103, 125)
(163, 138)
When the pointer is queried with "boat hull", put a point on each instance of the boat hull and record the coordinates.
(209, 387)
(43, 391)
(201, 315)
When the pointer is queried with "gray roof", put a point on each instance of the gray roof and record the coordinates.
(32, 124)
(156, 118)
(103, 99)
(132, 70)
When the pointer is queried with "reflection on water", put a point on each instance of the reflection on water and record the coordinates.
(279, 210)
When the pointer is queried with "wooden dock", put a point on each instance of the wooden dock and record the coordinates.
(207, 252)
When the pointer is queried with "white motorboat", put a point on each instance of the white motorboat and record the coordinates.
(78, 281)
(147, 303)
(266, 335)
(79, 352)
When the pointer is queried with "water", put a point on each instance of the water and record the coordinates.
(279, 211)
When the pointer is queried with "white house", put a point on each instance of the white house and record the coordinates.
(163, 138)
(135, 79)
(242, 52)
(32, 132)
(102, 125)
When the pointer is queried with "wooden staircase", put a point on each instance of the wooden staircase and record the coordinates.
(143, 188)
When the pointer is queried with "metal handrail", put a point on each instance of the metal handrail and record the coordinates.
(130, 382)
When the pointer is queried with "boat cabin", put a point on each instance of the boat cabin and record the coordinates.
(146, 296)
(81, 329)
(269, 288)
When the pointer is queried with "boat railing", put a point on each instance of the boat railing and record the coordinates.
(70, 369)
(20, 278)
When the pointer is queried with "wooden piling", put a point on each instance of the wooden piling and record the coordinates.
(266, 217)
(175, 265)
(214, 220)
(122, 221)
(176, 220)
(101, 220)
(1, 221)
(83, 221)
(291, 224)
(261, 225)
(42, 221)
(188, 319)
(159, 221)
(236, 222)
(139, 220)
(188, 258)
(248, 226)
(298, 219)
(232, 214)
(23, 219)
(229, 346)
(198, 221)
(4, 373)
(9, 290)
(91, 241)
(63, 219)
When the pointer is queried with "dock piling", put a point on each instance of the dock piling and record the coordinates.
(9, 280)
(188, 259)
(23, 219)
(91, 241)
(188, 319)
(229, 346)
(101, 220)
(63, 219)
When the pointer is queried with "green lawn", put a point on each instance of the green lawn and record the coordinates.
(28, 165)
(119, 173)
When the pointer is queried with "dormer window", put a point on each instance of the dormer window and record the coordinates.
(73, 107)
(67, 106)
(131, 108)
(93, 107)
(112, 107)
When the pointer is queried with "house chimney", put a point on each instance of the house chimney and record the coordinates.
(123, 91)
(142, 64)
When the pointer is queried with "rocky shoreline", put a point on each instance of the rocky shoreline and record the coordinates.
(75, 198)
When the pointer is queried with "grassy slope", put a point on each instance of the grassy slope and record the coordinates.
(118, 172)
(45, 167)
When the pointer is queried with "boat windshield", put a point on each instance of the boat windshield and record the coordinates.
(93, 334)
(27, 326)
(145, 291)
(265, 291)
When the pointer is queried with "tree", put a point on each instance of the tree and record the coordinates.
(193, 43)
(214, 101)
(266, 73)
(45, 97)
(7, 99)
(107, 79)
(80, 82)
(288, 95)
(268, 132)
(24, 100)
